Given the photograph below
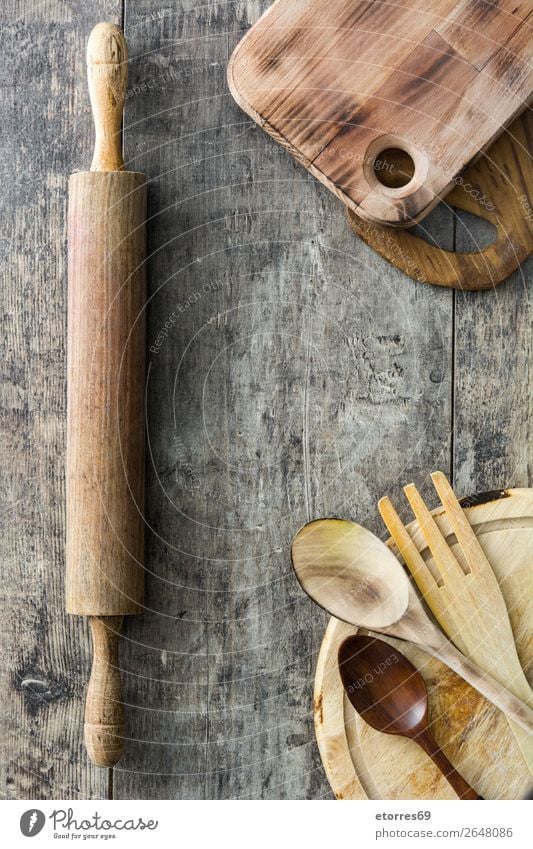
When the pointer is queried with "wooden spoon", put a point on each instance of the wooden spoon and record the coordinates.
(389, 693)
(355, 577)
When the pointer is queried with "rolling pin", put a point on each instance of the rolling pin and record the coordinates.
(105, 389)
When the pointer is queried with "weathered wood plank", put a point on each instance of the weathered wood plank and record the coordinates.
(294, 374)
(47, 134)
(175, 62)
(493, 445)
(288, 361)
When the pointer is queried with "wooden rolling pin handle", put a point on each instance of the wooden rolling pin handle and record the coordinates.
(105, 723)
(461, 787)
(107, 73)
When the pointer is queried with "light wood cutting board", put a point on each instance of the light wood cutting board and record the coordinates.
(362, 763)
(498, 187)
(340, 82)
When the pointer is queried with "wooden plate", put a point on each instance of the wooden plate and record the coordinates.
(340, 83)
(363, 764)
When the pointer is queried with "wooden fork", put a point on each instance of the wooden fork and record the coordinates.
(468, 605)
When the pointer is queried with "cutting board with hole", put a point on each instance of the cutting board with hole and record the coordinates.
(340, 83)
(362, 763)
(498, 187)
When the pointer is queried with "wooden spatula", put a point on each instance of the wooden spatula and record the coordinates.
(466, 599)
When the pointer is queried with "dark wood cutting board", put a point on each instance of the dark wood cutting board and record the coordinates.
(339, 82)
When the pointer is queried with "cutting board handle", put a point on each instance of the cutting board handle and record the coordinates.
(497, 188)
(105, 723)
(107, 73)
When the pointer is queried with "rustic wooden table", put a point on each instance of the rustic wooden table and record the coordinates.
(292, 374)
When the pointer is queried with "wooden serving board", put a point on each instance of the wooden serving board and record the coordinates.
(362, 763)
(497, 187)
(340, 82)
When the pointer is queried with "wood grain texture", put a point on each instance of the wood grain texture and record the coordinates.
(308, 364)
(106, 378)
(498, 189)
(493, 444)
(493, 23)
(271, 386)
(390, 694)
(105, 392)
(464, 596)
(105, 721)
(337, 84)
(107, 78)
(349, 572)
(473, 735)
(46, 655)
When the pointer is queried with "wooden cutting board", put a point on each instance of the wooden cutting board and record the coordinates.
(497, 187)
(362, 763)
(338, 83)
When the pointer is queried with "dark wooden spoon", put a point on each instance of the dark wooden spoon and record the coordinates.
(389, 693)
